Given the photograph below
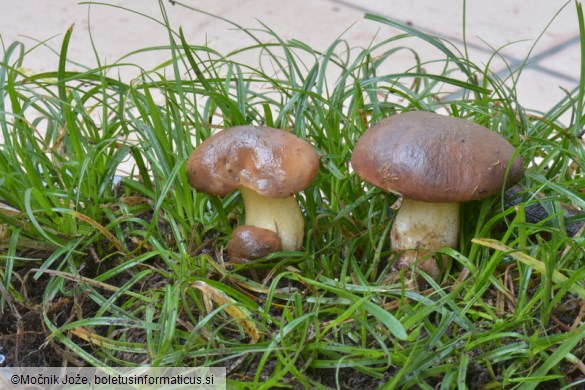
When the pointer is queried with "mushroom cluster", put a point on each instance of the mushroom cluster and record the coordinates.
(268, 166)
(434, 162)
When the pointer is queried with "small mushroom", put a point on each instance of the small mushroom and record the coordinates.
(251, 243)
(434, 162)
(268, 166)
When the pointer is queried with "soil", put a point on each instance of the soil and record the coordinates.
(25, 341)
(23, 338)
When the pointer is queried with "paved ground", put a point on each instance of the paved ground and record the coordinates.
(512, 26)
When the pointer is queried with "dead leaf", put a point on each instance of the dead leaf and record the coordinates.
(211, 293)
(538, 265)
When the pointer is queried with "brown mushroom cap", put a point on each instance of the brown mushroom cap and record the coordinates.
(272, 162)
(251, 243)
(435, 158)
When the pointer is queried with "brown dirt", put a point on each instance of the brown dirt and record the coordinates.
(25, 341)
(23, 338)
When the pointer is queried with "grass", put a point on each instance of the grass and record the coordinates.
(130, 271)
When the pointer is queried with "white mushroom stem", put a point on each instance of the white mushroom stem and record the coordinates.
(281, 215)
(422, 228)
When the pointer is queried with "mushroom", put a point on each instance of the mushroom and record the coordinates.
(268, 166)
(250, 242)
(434, 162)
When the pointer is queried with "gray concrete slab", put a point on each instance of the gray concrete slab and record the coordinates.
(542, 29)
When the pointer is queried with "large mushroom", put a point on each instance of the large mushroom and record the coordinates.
(434, 162)
(268, 166)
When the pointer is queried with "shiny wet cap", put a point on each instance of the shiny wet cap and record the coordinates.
(271, 162)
